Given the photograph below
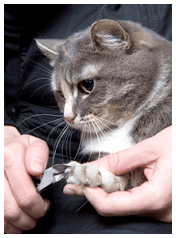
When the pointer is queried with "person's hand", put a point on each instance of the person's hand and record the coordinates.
(153, 198)
(24, 155)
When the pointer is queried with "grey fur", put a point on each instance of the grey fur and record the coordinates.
(133, 76)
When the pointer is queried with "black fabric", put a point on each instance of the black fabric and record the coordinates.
(30, 105)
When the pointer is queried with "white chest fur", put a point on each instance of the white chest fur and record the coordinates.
(112, 142)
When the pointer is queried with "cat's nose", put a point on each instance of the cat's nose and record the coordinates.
(70, 119)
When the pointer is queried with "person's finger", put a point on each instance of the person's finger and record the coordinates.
(138, 200)
(140, 155)
(74, 189)
(21, 183)
(11, 229)
(128, 159)
(37, 154)
(13, 213)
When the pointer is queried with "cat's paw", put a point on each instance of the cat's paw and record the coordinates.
(95, 176)
(83, 174)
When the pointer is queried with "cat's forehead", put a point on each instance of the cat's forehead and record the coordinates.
(90, 70)
(74, 44)
(78, 65)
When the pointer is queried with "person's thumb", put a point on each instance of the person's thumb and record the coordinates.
(36, 156)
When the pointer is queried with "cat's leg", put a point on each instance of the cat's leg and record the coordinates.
(94, 176)
(137, 177)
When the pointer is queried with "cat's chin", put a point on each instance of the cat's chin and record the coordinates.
(81, 126)
(88, 129)
(73, 126)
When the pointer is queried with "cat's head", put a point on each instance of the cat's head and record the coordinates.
(102, 73)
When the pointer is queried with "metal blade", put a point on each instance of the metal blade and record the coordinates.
(46, 179)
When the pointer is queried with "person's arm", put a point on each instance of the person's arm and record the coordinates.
(24, 155)
(153, 198)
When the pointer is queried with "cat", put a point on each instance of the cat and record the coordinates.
(113, 82)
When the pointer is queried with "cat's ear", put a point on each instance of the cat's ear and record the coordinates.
(109, 34)
(49, 47)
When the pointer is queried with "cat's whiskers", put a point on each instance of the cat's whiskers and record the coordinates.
(46, 84)
(72, 132)
(97, 137)
(83, 135)
(90, 133)
(66, 136)
(89, 137)
(124, 134)
(109, 122)
(102, 127)
(59, 122)
(37, 115)
(60, 136)
(37, 79)
(108, 136)
(42, 67)
(44, 124)
(78, 146)
(101, 131)
(56, 125)
(46, 72)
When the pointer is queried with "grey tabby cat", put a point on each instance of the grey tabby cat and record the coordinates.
(113, 79)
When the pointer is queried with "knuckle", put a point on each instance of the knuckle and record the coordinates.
(31, 204)
(12, 149)
(30, 225)
(10, 229)
(26, 200)
(6, 226)
(39, 148)
(102, 209)
(105, 208)
(12, 214)
(39, 143)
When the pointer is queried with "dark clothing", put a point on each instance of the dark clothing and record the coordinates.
(30, 104)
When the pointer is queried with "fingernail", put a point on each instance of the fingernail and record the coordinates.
(37, 165)
(47, 205)
(87, 193)
(69, 192)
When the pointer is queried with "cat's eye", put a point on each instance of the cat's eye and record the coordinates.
(87, 85)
